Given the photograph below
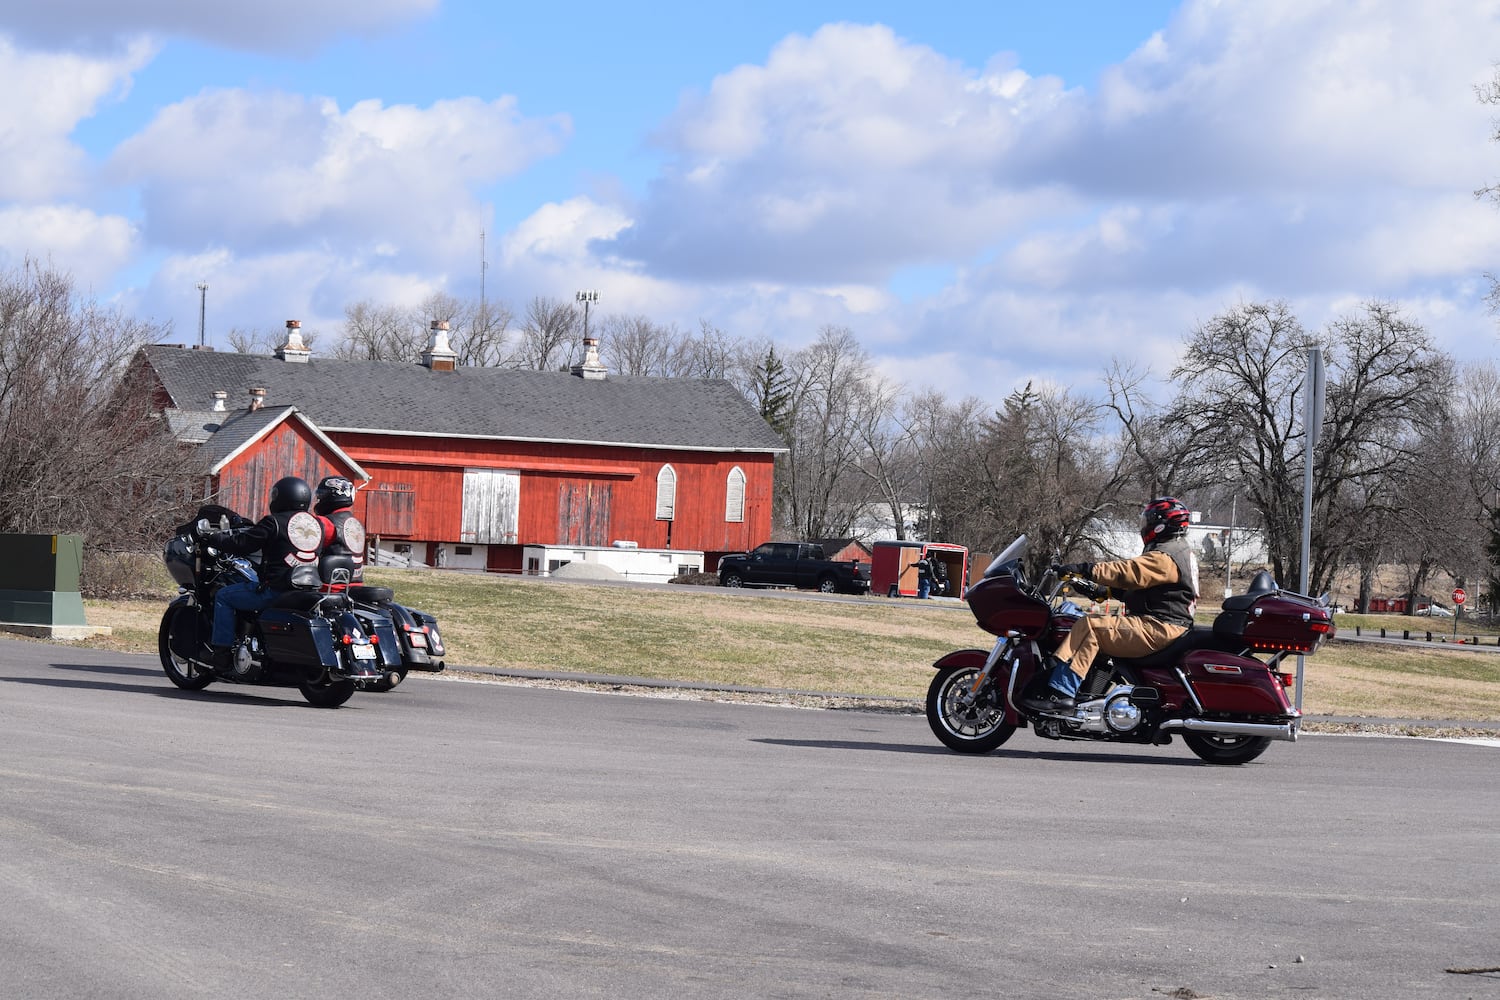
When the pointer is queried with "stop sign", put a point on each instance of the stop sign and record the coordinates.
(1459, 595)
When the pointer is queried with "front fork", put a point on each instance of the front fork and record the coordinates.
(998, 654)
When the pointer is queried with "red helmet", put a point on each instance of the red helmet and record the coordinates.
(1163, 518)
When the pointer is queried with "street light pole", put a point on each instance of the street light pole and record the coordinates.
(202, 310)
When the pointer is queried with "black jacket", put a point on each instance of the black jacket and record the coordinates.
(288, 548)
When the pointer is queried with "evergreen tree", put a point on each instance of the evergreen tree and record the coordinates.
(773, 393)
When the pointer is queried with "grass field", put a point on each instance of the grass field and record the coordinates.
(865, 647)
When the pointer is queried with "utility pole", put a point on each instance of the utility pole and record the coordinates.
(202, 310)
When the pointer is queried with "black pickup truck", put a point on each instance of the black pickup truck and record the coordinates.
(793, 564)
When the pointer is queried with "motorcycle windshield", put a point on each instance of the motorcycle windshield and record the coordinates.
(1012, 552)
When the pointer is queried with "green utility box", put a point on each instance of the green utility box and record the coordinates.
(39, 586)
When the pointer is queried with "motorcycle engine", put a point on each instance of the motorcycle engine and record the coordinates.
(1113, 713)
(245, 662)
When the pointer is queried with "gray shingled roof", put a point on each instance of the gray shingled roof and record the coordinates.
(501, 403)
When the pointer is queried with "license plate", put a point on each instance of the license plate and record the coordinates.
(364, 652)
(417, 638)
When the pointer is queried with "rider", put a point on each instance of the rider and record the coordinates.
(289, 547)
(343, 535)
(1161, 586)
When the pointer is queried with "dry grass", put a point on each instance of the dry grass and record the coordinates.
(871, 647)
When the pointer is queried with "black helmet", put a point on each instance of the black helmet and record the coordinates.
(291, 493)
(334, 493)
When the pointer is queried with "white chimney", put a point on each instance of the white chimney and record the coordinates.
(219, 396)
(439, 356)
(294, 350)
(591, 367)
(257, 398)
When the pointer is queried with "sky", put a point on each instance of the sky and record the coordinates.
(985, 193)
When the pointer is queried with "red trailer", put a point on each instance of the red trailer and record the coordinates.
(893, 570)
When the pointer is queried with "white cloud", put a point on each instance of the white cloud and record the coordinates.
(46, 96)
(267, 25)
(848, 154)
(1286, 144)
(274, 172)
(91, 248)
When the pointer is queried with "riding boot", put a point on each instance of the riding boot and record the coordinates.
(1052, 689)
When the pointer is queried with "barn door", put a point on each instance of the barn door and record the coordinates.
(583, 513)
(492, 507)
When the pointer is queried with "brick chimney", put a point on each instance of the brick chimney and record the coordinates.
(294, 350)
(439, 356)
(257, 398)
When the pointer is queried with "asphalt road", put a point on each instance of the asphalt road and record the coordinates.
(457, 839)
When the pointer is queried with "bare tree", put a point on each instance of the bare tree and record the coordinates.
(1489, 93)
(80, 447)
(378, 333)
(634, 345)
(550, 335)
(1240, 404)
(822, 491)
(264, 340)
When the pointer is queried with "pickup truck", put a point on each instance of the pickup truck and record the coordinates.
(793, 564)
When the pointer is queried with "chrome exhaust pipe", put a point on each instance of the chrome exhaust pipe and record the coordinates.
(1286, 731)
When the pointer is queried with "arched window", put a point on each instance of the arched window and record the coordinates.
(666, 493)
(734, 495)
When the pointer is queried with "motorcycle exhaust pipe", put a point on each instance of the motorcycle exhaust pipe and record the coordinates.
(1276, 731)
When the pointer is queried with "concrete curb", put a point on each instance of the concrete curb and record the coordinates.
(915, 706)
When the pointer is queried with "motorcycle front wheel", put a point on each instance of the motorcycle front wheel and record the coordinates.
(1218, 749)
(179, 669)
(962, 724)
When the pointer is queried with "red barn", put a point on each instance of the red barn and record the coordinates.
(463, 466)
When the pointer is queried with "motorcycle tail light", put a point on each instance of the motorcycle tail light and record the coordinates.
(1287, 680)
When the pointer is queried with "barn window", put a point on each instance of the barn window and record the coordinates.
(666, 493)
(492, 507)
(734, 495)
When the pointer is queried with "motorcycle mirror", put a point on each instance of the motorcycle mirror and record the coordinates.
(203, 526)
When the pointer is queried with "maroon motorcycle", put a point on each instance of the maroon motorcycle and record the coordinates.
(1209, 685)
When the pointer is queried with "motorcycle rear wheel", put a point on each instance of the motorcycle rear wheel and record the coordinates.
(179, 669)
(976, 728)
(1216, 749)
(328, 693)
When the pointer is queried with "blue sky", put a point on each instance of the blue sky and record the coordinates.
(985, 193)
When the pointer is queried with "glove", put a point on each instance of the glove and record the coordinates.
(1083, 569)
(219, 539)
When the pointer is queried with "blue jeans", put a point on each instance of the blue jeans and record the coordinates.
(237, 597)
(1061, 678)
(924, 587)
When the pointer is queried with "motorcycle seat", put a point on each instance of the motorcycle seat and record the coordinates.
(1197, 637)
(307, 601)
(371, 595)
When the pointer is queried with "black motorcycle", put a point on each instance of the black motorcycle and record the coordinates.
(307, 639)
(418, 644)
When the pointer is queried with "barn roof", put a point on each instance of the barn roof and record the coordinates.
(234, 432)
(498, 403)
